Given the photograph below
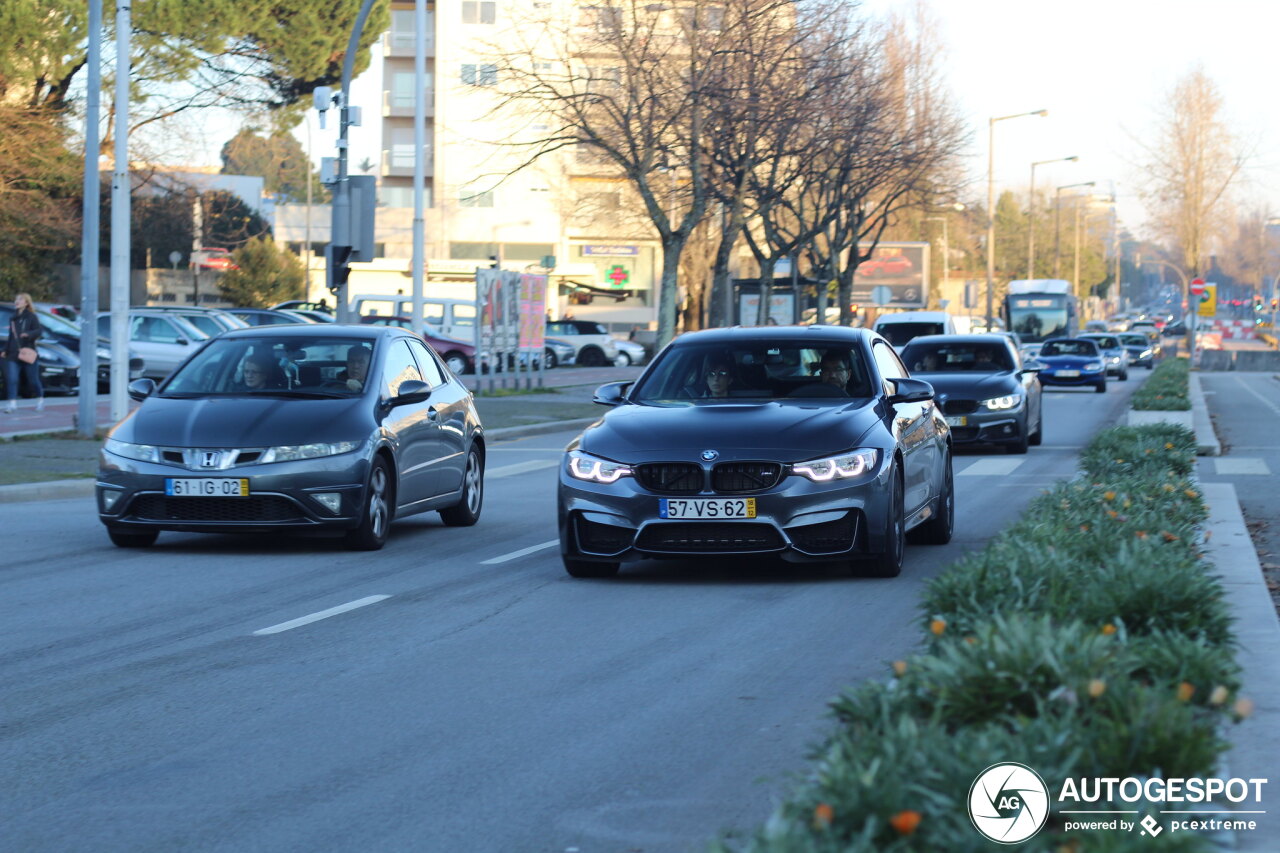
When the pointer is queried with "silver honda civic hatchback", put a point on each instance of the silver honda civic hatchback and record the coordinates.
(295, 428)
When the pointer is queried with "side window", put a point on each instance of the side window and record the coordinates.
(104, 326)
(431, 370)
(888, 363)
(162, 331)
(558, 329)
(399, 368)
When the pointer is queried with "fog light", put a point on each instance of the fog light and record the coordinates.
(331, 501)
(110, 498)
(1008, 430)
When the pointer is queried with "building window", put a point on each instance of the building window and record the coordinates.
(402, 91)
(479, 75)
(704, 17)
(470, 198)
(402, 196)
(472, 251)
(606, 19)
(479, 12)
(527, 251)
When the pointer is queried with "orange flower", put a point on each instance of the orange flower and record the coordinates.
(1168, 445)
(822, 815)
(1218, 696)
(900, 667)
(1167, 487)
(971, 640)
(1191, 493)
(1148, 451)
(1168, 537)
(1243, 707)
(1141, 534)
(1084, 528)
(1108, 629)
(1113, 513)
(905, 822)
(1097, 687)
(937, 626)
(1185, 691)
(1108, 496)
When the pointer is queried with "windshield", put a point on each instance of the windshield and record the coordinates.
(957, 357)
(1085, 348)
(900, 333)
(1134, 340)
(755, 371)
(1035, 318)
(1106, 343)
(57, 324)
(313, 366)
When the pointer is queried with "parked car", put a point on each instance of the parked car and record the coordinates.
(211, 321)
(1072, 362)
(986, 392)
(70, 313)
(213, 259)
(266, 317)
(823, 449)
(321, 307)
(453, 318)
(593, 346)
(163, 340)
(59, 369)
(322, 445)
(58, 330)
(1114, 354)
(557, 353)
(460, 356)
(629, 353)
(309, 315)
(1143, 351)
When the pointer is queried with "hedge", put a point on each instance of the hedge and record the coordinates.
(1088, 639)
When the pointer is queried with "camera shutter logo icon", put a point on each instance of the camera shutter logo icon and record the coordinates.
(1008, 802)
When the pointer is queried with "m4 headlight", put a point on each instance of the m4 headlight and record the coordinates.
(140, 452)
(997, 404)
(856, 463)
(294, 452)
(593, 469)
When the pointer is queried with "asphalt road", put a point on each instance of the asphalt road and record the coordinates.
(487, 703)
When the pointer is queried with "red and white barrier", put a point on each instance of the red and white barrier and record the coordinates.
(1234, 329)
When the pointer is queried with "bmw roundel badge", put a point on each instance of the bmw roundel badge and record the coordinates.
(709, 455)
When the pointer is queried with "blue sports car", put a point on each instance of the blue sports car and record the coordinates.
(1073, 361)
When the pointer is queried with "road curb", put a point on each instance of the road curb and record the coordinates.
(1256, 740)
(1207, 443)
(54, 490)
(50, 490)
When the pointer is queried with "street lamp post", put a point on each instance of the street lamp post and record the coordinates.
(946, 277)
(1031, 212)
(1057, 229)
(991, 206)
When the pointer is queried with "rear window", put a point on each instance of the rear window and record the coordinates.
(900, 333)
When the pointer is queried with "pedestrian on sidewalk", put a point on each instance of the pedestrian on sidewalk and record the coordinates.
(24, 331)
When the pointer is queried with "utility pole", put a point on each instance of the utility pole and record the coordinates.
(87, 409)
(120, 217)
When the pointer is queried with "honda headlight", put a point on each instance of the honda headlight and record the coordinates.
(583, 466)
(140, 452)
(995, 404)
(846, 465)
(1093, 365)
(294, 452)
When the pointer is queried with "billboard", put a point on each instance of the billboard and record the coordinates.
(901, 267)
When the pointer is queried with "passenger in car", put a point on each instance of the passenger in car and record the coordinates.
(260, 373)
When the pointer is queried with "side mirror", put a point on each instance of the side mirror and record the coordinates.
(1031, 366)
(612, 394)
(141, 389)
(911, 391)
(411, 391)
(182, 342)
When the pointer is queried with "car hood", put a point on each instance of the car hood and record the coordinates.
(244, 421)
(970, 386)
(1068, 361)
(782, 430)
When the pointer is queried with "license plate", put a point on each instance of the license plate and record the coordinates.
(207, 487)
(1068, 373)
(707, 508)
(957, 420)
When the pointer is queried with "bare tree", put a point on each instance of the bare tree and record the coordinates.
(1190, 167)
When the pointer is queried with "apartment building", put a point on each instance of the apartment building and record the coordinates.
(607, 263)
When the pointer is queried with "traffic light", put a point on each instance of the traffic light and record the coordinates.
(1275, 303)
(337, 266)
(1257, 303)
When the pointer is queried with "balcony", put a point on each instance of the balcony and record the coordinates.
(399, 43)
(397, 162)
(399, 104)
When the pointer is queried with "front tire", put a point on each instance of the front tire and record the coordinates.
(132, 539)
(377, 510)
(1124, 375)
(549, 359)
(592, 357)
(456, 362)
(623, 360)
(1100, 387)
(888, 564)
(466, 511)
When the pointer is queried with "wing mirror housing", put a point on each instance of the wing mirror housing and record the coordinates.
(1031, 366)
(611, 394)
(141, 389)
(411, 391)
(911, 391)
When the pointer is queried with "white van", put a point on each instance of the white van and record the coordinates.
(900, 328)
(452, 318)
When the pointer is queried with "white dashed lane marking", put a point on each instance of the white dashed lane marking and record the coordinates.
(523, 552)
(1233, 465)
(991, 467)
(323, 614)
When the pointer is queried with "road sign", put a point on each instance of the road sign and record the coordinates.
(1208, 301)
(1197, 286)
(881, 295)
